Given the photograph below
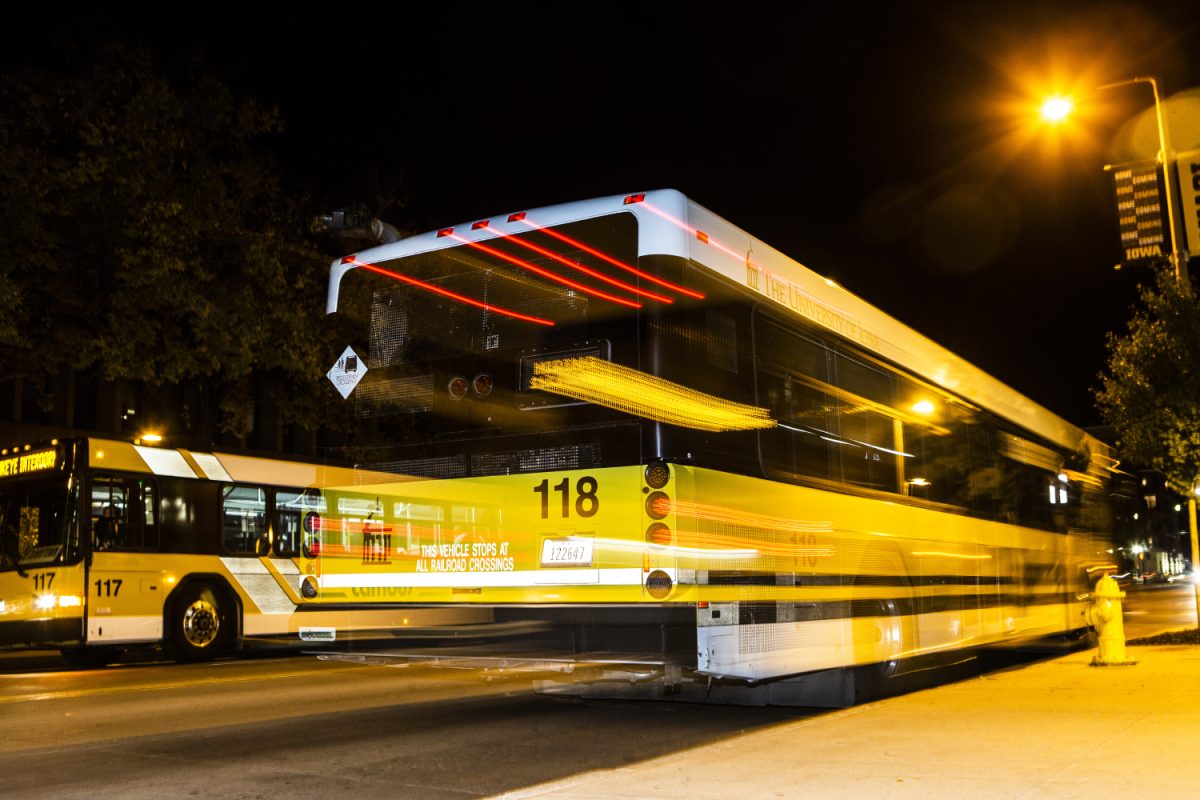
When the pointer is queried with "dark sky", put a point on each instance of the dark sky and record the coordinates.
(881, 144)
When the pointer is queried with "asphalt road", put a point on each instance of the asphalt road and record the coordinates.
(1157, 608)
(283, 725)
(300, 728)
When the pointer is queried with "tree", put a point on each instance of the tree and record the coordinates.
(147, 238)
(1150, 391)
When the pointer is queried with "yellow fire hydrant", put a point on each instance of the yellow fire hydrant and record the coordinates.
(1104, 614)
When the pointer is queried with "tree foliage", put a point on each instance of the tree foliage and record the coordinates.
(147, 236)
(1150, 391)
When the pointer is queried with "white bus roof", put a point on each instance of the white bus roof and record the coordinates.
(671, 224)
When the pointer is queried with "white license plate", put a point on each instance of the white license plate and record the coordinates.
(568, 552)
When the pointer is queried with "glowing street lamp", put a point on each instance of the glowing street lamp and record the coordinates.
(1056, 109)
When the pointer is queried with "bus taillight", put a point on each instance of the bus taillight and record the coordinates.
(657, 474)
(660, 534)
(658, 505)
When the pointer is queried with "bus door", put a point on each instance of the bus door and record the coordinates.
(124, 586)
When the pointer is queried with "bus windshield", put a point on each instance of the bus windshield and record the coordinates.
(33, 526)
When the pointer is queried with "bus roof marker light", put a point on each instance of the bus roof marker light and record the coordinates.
(634, 198)
(702, 236)
(483, 223)
(444, 232)
(517, 217)
(351, 259)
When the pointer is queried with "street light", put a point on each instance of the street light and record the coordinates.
(1056, 109)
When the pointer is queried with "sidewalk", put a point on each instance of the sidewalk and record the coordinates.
(1056, 729)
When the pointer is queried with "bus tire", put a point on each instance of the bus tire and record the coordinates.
(201, 624)
(91, 657)
(888, 677)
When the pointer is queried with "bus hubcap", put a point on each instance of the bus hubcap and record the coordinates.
(200, 623)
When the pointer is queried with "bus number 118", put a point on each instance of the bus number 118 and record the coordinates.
(586, 501)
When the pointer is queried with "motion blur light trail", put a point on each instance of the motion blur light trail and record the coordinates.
(601, 382)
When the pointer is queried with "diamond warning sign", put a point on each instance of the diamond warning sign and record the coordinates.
(347, 372)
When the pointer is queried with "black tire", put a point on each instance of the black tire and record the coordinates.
(200, 623)
(889, 677)
(91, 657)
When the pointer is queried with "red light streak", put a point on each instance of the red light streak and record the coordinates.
(452, 295)
(544, 272)
(586, 270)
(609, 259)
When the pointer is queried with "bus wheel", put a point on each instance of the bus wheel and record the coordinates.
(200, 624)
(91, 657)
(887, 677)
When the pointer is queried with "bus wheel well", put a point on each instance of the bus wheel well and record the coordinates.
(202, 594)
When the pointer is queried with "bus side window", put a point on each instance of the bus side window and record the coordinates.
(288, 515)
(107, 512)
(123, 513)
(244, 520)
(142, 531)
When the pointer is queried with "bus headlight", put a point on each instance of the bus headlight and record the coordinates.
(70, 601)
(45, 602)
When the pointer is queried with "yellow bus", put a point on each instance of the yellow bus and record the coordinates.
(635, 423)
(107, 545)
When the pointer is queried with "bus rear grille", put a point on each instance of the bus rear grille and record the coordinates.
(543, 459)
(394, 396)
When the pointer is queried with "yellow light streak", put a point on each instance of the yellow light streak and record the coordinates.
(595, 380)
(961, 556)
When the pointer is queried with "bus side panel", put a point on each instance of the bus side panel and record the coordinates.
(813, 579)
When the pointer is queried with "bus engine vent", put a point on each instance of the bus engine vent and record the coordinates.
(542, 459)
(446, 467)
(408, 395)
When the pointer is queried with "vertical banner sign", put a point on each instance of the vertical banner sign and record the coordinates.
(1189, 199)
(1140, 212)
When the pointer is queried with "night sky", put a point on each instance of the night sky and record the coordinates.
(884, 145)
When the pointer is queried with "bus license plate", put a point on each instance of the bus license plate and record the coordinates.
(567, 553)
